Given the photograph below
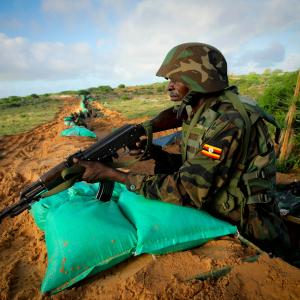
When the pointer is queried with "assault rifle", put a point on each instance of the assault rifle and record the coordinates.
(66, 173)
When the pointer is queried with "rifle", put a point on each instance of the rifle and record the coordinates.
(66, 173)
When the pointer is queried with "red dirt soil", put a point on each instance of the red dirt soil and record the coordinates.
(23, 257)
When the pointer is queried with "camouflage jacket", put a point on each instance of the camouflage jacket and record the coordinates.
(211, 176)
(212, 152)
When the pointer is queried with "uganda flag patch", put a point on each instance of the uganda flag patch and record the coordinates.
(211, 151)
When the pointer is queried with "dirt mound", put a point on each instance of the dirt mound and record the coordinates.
(23, 256)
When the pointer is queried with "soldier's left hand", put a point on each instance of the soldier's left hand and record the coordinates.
(94, 171)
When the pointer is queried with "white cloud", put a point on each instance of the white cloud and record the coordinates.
(22, 60)
(263, 57)
(291, 62)
(155, 26)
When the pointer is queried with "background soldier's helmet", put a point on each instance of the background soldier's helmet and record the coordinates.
(201, 67)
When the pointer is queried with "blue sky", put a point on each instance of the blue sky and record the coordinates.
(56, 45)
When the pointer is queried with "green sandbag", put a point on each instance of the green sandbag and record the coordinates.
(90, 189)
(84, 237)
(78, 131)
(164, 227)
(84, 189)
(40, 209)
(82, 102)
(68, 121)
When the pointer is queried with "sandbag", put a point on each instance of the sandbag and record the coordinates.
(78, 131)
(40, 209)
(164, 227)
(68, 121)
(83, 237)
(82, 104)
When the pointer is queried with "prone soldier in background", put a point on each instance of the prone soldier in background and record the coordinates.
(227, 161)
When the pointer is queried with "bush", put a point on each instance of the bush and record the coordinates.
(104, 89)
(126, 97)
(278, 94)
(121, 86)
(292, 163)
(83, 92)
(34, 96)
(276, 99)
(14, 98)
(160, 89)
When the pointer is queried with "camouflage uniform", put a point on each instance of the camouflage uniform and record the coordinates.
(214, 175)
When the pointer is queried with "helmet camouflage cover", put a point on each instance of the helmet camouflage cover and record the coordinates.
(201, 67)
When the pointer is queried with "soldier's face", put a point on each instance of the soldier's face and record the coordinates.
(177, 90)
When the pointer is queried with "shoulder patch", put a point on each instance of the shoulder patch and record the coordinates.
(211, 151)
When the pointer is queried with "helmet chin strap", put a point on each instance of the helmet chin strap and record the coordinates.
(188, 99)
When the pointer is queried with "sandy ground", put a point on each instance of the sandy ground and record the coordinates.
(23, 256)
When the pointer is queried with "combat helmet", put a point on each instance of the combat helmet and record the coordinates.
(201, 67)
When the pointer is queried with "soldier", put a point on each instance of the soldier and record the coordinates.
(227, 162)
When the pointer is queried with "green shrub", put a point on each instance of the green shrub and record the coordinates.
(160, 89)
(125, 97)
(278, 94)
(276, 99)
(292, 163)
(83, 92)
(121, 86)
(104, 89)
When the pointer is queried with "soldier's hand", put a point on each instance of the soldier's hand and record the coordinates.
(138, 148)
(96, 171)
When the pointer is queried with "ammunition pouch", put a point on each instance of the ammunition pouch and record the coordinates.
(249, 188)
(229, 201)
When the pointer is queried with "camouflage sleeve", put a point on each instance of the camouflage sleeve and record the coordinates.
(208, 169)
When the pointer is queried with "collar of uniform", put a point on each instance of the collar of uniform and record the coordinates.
(207, 103)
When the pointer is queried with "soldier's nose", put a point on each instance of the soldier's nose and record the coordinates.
(171, 86)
